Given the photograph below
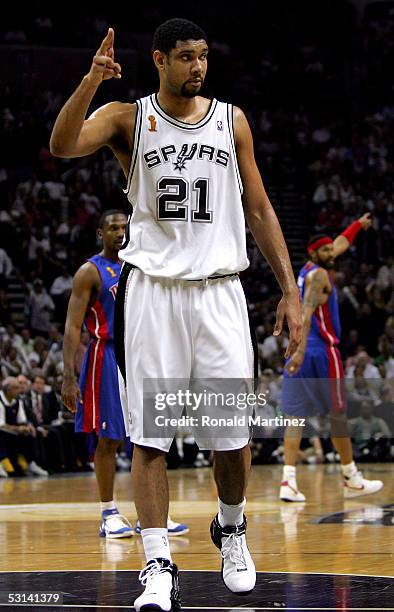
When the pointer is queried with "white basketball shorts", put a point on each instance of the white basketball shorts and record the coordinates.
(175, 329)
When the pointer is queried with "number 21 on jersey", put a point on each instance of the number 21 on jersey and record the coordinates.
(173, 199)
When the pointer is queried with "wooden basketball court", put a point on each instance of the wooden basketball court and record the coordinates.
(309, 555)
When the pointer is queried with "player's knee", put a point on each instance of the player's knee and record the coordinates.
(107, 445)
(231, 456)
(147, 454)
(339, 425)
(293, 431)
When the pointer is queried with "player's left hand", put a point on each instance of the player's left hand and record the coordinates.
(295, 362)
(71, 393)
(366, 221)
(289, 307)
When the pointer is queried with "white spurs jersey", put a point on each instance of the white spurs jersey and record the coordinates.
(185, 189)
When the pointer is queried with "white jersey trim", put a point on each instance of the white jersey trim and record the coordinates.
(136, 141)
(182, 124)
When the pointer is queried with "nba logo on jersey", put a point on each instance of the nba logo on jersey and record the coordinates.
(219, 125)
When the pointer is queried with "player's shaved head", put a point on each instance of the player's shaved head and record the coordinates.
(103, 221)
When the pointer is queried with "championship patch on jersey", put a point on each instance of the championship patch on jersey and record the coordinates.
(111, 271)
(152, 123)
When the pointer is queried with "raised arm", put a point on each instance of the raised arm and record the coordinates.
(85, 281)
(344, 240)
(316, 283)
(264, 225)
(73, 135)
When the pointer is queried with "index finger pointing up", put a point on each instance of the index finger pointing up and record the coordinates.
(108, 41)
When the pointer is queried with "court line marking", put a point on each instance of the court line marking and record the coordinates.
(353, 511)
(35, 571)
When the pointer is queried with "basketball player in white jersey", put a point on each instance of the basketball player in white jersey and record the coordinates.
(191, 180)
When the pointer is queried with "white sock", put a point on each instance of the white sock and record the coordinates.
(155, 541)
(349, 470)
(108, 505)
(231, 515)
(289, 473)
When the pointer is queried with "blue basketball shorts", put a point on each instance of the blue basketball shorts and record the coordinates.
(318, 387)
(101, 409)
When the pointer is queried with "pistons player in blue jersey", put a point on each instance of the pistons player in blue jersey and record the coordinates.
(96, 398)
(313, 377)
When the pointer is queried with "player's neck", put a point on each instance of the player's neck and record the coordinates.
(179, 107)
(110, 254)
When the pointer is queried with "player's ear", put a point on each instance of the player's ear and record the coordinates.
(158, 58)
(100, 233)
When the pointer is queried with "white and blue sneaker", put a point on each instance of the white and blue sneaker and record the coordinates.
(174, 529)
(114, 525)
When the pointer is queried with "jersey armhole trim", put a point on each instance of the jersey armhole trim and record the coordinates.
(136, 141)
(232, 140)
(101, 284)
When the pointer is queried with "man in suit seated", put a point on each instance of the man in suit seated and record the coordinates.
(19, 436)
(42, 410)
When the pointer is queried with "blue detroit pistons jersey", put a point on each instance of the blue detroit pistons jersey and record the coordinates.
(99, 318)
(325, 325)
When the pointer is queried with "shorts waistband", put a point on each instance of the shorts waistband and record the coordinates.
(208, 278)
(128, 266)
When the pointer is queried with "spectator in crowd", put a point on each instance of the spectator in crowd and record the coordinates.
(385, 277)
(364, 361)
(11, 337)
(18, 435)
(5, 267)
(360, 388)
(41, 308)
(61, 291)
(26, 345)
(24, 386)
(54, 356)
(371, 435)
(12, 362)
(38, 242)
(385, 360)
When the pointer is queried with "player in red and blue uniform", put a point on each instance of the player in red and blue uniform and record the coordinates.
(96, 399)
(96, 381)
(313, 377)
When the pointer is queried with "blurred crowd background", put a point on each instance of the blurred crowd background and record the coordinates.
(315, 80)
